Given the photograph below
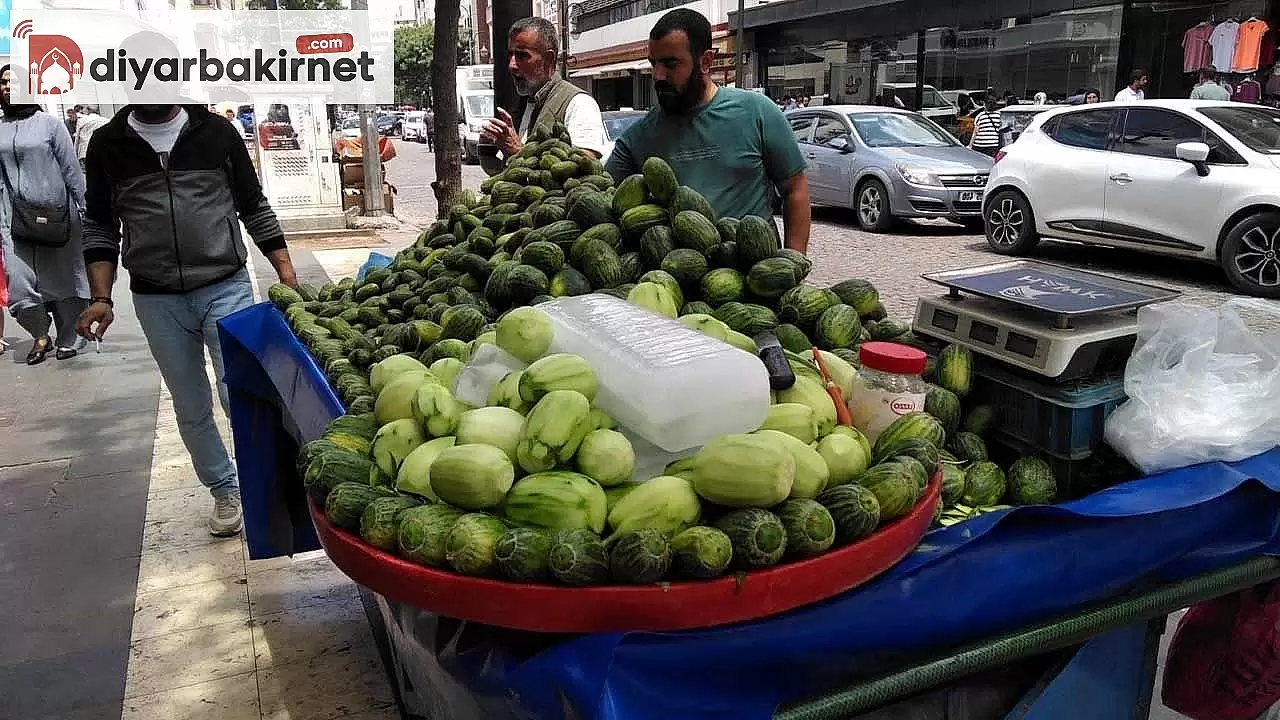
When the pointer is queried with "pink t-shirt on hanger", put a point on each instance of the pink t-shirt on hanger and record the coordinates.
(1196, 51)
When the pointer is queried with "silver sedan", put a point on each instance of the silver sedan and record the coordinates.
(886, 163)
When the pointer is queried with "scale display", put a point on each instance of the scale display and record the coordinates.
(1057, 322)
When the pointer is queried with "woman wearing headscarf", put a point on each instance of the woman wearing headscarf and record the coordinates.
(47, 282)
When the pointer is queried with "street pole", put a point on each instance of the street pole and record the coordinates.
(564, 37)
(740, 67)
(370, 160)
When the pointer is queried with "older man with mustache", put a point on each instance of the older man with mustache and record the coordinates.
(547, 98)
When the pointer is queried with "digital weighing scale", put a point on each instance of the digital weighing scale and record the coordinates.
(1050, 320)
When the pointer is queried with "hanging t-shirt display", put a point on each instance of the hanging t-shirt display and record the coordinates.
(1248, 45)
(1196, 52)
(1223, 41)
(1247, 91)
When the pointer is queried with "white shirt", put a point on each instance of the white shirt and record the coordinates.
(1128, 94)
(161, 136)
(581, 117)
(86, 125)
(1223, 41)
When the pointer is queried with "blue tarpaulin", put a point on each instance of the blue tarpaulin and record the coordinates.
(981, 578)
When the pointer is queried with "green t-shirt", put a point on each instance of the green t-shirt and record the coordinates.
(1210, 91)
(735, 150)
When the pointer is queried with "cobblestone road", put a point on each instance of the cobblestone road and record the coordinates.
(893, 261)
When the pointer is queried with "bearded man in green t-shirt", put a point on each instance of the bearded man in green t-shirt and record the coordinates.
(732, 146)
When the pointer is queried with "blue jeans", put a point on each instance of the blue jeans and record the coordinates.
(178, 329)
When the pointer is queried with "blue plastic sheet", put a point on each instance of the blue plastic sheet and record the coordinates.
(1103, 681)
(375, 261)
(984, 577)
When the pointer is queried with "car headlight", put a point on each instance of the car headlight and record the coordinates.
(918, 176)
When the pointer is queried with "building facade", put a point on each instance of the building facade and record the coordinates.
(922, 53)
(608, 47)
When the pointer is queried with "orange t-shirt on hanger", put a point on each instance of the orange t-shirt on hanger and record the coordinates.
(1248, 46)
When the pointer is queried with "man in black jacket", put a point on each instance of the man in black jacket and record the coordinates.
(167, 189)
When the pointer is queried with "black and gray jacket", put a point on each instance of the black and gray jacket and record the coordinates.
(175, 229)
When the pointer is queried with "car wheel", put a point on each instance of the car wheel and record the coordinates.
(1010, 227)
(1250, 255)
(872, 207)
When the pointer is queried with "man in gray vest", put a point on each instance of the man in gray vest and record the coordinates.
(546, 98)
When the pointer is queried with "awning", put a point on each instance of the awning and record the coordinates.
(611, 68)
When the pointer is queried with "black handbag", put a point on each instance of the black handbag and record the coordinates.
(37, 223)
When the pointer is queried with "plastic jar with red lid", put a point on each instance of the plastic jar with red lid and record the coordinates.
(889, 385)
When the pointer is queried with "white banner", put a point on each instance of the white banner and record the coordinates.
(200, 55)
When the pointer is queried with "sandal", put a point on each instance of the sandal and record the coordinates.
(39, 350)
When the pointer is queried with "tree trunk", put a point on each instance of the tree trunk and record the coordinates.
(444, 86)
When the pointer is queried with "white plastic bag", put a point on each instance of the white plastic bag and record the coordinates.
(1202, 385)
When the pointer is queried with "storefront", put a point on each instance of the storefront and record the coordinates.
(926, 53)
(620, 77)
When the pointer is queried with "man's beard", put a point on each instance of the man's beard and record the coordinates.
(526, 87)
(679, 101)
(153, 113)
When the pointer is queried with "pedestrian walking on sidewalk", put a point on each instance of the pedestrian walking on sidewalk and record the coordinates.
(178, 179)
(40, 225)
(87, 124)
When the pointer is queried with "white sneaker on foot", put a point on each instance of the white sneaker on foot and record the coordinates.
(227, 518)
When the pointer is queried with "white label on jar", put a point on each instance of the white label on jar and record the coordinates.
(873, 409)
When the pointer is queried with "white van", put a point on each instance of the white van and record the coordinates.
(415, 126)
(475, 107)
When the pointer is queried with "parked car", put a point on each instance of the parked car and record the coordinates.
(415, 126)
(348, 128)
(886, 163)
(615, 123)
(1186, 178)
(389, 125)
(1016, 118)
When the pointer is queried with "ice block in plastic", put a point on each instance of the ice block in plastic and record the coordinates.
(489, 365)
(666, 382)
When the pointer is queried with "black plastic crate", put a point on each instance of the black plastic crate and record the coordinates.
(1065, 420)
(1076, 478)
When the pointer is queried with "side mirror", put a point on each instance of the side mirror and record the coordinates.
(1196, 153)
(840, 143)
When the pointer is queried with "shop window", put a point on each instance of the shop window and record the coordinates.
(1090, 130)
(801, 127)
(828, 129)
(1156, 133)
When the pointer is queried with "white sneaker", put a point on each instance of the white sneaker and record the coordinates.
(227, 518)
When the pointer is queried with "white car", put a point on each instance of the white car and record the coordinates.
(1187, 178)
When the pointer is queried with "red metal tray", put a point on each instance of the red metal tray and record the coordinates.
(616, 608)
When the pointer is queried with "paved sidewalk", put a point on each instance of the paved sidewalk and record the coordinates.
(75, 457)
(115, 602)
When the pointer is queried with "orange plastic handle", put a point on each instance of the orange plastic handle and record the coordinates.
(842, 410)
